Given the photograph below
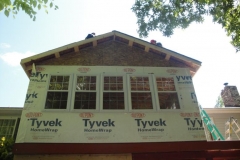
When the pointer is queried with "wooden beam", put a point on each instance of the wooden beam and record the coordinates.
(57, 55)
(130, 43)
(167, 57)
(76, 49)
(94, 43)
(146, 49)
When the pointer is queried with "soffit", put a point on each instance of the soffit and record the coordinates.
(192, 64)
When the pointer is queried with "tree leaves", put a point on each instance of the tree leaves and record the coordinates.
(28, 6)
(6, 12)
(165, 16)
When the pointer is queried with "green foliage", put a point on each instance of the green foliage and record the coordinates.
(167, 15)
(6, 149)
(219, 103)
(28, 6)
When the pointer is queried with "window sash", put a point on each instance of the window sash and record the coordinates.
(58, 92)
(141, 93)
(7, 127)
(167, 95)
(113, 93)
(85, 94)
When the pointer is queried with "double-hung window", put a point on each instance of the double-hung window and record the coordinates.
(140, 92)
(58, 92)
(112, 92)
(167, 93)
(86, 92)
(7, 128)
(113, 96)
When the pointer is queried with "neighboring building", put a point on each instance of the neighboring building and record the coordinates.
(113, 95)
(220, 117)
(9, 122)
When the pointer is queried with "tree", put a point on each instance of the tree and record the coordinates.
(166, 15)
(219, 103)
(28, 6)
(6, 147)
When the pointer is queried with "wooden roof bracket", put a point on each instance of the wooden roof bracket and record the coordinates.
(130, 43)
(167, 57)
(57, 55)
(146, 49)
(76, 49)
(95, 43)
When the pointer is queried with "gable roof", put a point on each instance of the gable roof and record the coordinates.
(192, 64)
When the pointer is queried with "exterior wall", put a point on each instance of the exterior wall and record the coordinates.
(75, 157)
(113, 54)
(220, 118)
(155, 125)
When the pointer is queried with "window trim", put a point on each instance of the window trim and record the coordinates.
(14, 127)
(69, 92)
(74, 91)
(176, 91)
(124, 91)
(151, 91)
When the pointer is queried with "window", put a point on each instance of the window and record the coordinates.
(141, 96)
(113, 93)
(57, 95)
(167, 94)
(7, 128)
(85, 92)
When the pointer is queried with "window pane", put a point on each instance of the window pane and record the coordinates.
(113, 100)
(65, 78)
(141, 101)
(139, 83)
(168, 101)
(5, 122)
(113, 83)
(59, 83)
(56, 100)
(86, 83)
(12, 122)
(53, 79)
(85, 100)
(59, 78)
(165, 84)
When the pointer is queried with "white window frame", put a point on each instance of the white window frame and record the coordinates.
(69, 91)
(14, 127)
(151, 91)
(154, 76)
(97, 93)
(126, 104)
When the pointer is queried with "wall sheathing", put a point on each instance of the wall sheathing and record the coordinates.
(110, 53)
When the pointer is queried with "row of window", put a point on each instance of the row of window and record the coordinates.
(112, 92)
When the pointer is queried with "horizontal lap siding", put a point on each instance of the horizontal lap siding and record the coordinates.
(220, 120)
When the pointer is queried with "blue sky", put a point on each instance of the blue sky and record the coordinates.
(21, 37)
